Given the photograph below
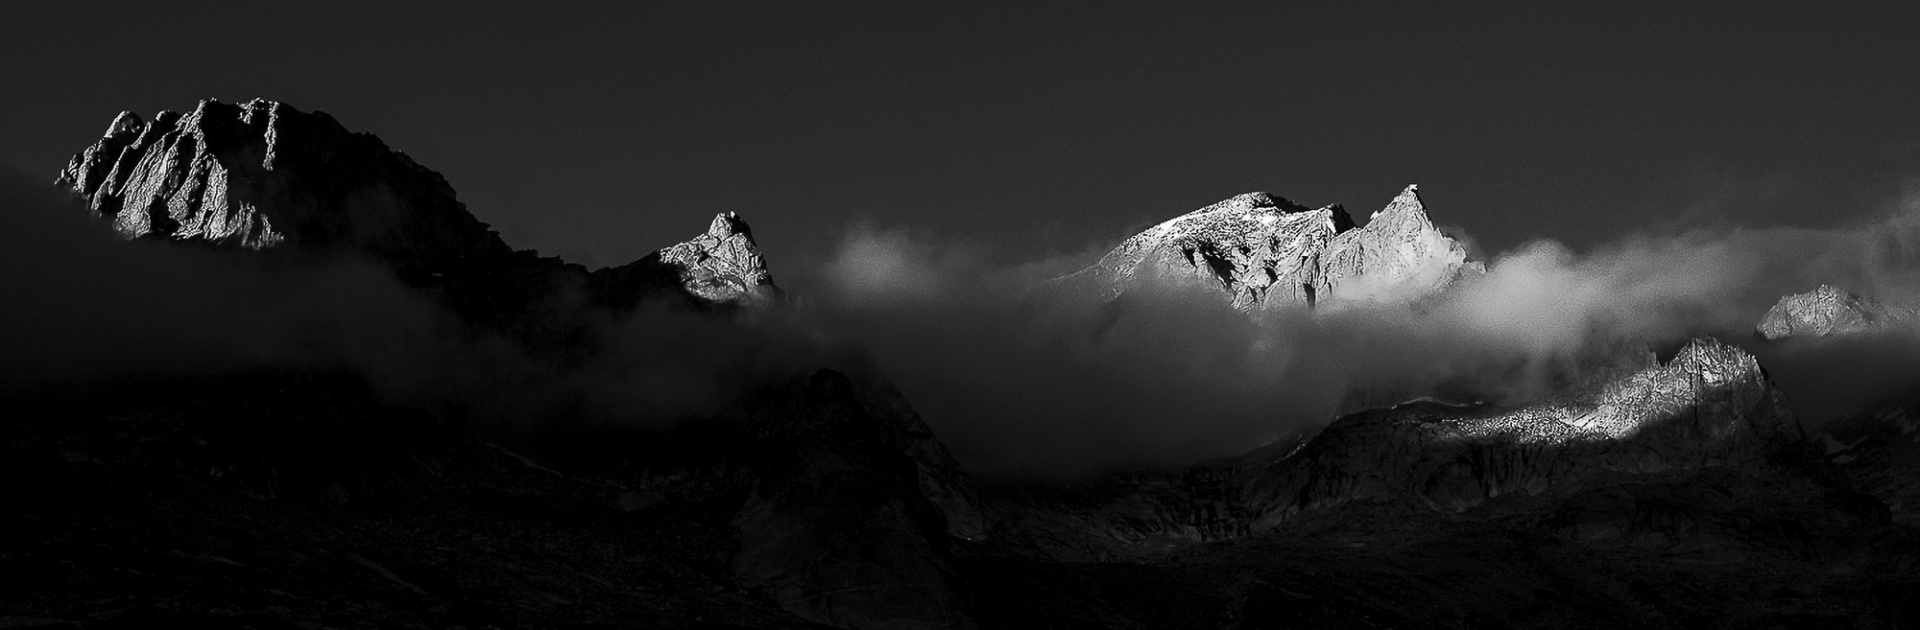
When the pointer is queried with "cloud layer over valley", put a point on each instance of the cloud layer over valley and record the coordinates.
(1021, 381)
(1017, 379)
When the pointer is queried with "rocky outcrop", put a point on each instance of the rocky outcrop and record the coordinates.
(1399, 255)
(262, 175)
(1829, 310)
(1267, 252)
(722, 266)
(1710, 406)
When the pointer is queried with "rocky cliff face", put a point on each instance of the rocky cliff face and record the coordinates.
(262, 175)
(1399, 255)
(1829, 310)
(1267, 252)
(724, 264)
(720, 267)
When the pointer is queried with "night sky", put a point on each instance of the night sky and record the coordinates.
(603, 133)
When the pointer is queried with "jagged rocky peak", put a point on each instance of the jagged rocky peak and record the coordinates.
(1711, 405)
(724, 265)
(262, 174)
(1829, 310)
(1245, 245)
(1268, 252)
(1398, 255)
(721, 267)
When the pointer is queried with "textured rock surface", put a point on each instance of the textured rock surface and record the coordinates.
(264, 175)
(1829, 310)
(1398, 255)
(1267, 252)
(1711, 405)
(1249, 245)
(721, 266)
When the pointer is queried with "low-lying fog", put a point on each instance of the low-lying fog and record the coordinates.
(1012, 383)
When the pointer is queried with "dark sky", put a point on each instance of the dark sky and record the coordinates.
(603, 133)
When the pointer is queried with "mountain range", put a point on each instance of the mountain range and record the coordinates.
(1680, 491)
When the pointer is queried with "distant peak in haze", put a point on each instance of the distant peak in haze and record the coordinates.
(1268, 252)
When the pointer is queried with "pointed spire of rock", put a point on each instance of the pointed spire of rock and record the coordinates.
(1398, 256)
(724, 265)
(1407, 202)
(727, 225)
(89, 169)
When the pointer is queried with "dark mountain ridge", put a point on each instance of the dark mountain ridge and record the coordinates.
(1877, 442)
(1679, 495)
